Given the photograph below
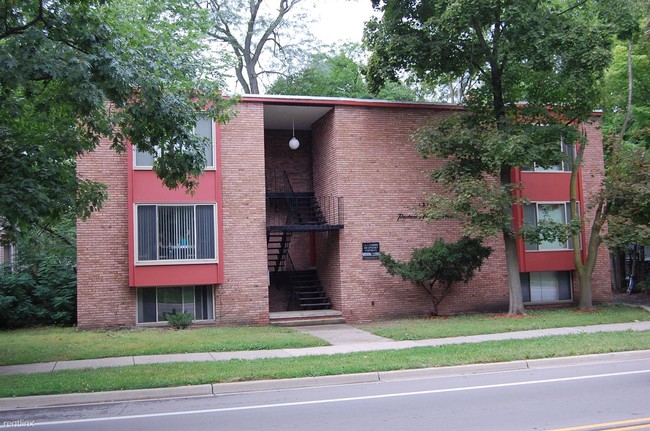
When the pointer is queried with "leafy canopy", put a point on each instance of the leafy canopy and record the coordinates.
(522, 58)
(73, 71)
(337, 75)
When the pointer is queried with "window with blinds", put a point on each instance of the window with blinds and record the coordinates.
(175, 232)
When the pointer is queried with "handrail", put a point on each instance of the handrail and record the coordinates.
(309, 210)
(277, 181)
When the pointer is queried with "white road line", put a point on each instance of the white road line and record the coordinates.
(339, 400)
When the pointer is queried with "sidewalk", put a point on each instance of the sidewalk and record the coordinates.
(344, 339)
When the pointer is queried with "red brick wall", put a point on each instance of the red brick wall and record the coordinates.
(104, 298)
(243, 297)
(297, 163)
(326, 183)
(375, 167)
(593, 172)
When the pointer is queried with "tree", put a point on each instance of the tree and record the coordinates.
(252, 29)
(74, 71)
(438, 267)
(546, 53)
(337, 75)
(626, 122)
(40, 286)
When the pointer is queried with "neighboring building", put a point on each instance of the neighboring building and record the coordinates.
(271, 228)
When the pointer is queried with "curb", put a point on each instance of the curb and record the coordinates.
(42, 401)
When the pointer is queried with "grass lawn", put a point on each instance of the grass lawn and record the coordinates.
(27, 346)
(178, 374)
(476, 324)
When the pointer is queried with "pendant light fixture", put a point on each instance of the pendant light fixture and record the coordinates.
(294, 143)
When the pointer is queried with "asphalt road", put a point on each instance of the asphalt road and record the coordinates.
(613, 394)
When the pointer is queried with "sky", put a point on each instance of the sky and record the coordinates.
(335, 22)
(341, 20)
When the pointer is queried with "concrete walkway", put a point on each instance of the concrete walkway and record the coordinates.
(343, 339)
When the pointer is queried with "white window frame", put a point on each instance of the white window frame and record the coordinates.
(212, 143)
(550, 301)
(566, 222)
(159, 261)
(159, 322)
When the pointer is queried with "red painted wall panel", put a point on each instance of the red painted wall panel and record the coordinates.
(145, 187)
(175, 275)
(546, 186)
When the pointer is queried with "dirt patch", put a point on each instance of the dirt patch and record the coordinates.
(509, 316)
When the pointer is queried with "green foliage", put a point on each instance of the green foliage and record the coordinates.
(438, 267)
(40, 287)
(545, 53)
(628, 188)
(180, 320)
(75, 71)
(337, 75)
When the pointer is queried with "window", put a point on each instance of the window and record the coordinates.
(175, 233)
(546, 286)
(535, 213)
(566, 165)
(204, 128)
(7, 254)
(154, 303)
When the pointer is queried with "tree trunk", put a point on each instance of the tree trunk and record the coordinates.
(516, 300)
(585, 268)
(586, 300)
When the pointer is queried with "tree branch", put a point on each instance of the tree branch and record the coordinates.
(20, 29)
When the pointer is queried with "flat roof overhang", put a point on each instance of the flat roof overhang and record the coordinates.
(301, 112)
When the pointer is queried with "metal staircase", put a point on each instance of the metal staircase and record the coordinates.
(289, 212)
(277, 246)
(308, 292)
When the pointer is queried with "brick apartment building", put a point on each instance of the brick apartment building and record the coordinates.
(271, 228)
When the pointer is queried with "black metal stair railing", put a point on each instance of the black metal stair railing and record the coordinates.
(277, 181)
(277, 244)
(307, 292)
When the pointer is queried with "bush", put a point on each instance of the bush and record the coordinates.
(179, 320)
(40, 288)
(438, 267)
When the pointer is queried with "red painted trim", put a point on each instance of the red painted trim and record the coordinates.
(518, 219)
(131, 225)
(581, 198)
(145, 187)
(542, 187)
(219, 199)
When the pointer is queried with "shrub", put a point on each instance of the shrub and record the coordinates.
(40, 288)
(438, 267)
(179, 320)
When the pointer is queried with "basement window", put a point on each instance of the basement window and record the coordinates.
(546, 286)
(155, 303)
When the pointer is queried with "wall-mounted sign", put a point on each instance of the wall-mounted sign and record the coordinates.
(370, 250)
